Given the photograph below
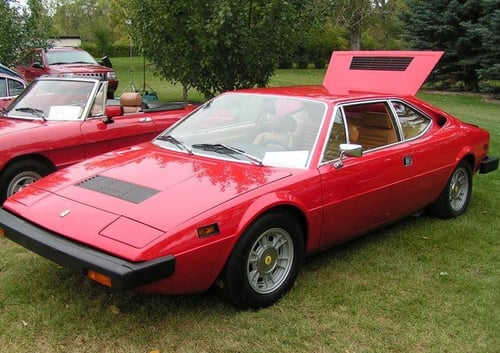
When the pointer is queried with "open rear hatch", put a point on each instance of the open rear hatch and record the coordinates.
(393, 72)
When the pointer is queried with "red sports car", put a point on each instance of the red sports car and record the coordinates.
(56, 122)
(237, 193)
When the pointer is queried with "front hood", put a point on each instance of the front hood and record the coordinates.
(9, 126)
(79, 68)
(145, 190)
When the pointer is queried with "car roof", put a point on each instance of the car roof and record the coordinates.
(314, 92)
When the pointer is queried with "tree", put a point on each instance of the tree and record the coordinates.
(488, 30)
(21, 28)
(94, 21)
(383, 27)
(372, 23)
(219, 45)
(464, 29)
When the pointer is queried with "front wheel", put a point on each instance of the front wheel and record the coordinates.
(264, 263)
(455, 197)
(19, 175)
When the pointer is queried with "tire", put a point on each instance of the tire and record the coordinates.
(264, 263)
(19, 175)
(455, 197)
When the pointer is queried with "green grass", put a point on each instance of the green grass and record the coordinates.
(421, 285)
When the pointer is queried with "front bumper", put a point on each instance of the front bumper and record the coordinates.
(78, 257)
(488, 164)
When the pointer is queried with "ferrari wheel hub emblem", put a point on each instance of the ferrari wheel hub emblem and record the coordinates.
(268, 260)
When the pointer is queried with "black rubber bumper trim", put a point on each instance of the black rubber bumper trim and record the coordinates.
(488, 164)
(124, 274)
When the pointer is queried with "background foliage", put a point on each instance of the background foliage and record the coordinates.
(465, 29)
(226, 44)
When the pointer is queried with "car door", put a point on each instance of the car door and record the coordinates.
(362, 193)
(100, 137)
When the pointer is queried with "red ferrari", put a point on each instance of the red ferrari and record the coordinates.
(237, 193)
(57, 122)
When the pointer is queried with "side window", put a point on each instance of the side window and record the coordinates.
(3, 88)
(15, 87)
(413, 123)
(370, 125)
(337, 136)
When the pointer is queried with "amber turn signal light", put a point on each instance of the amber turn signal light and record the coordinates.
(206, 231)
(99, 278)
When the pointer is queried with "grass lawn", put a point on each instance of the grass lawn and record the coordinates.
(421, 285)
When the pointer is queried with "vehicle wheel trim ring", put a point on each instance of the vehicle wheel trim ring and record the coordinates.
(459, 188)
(270, 260)
(21, 181)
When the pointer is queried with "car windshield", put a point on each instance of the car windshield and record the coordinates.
(57, 57)
(52, 100)
(259, 129)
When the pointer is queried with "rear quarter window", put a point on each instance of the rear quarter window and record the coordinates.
(413, 123)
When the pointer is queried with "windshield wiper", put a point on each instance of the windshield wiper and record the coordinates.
(176, 142)
(226, 149)
(33, 111)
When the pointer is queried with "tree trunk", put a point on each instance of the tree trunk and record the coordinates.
(355, 39)
(184, 92)
(471, 79)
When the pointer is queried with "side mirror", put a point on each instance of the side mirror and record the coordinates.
(351, 150)
(110, 112)
(106, 62)
(37, 65)
(348, 150)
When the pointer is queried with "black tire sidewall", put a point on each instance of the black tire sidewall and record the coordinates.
(236, 287)
(442, 208)
(17, 168)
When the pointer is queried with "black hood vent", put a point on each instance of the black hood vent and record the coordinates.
(117, 188)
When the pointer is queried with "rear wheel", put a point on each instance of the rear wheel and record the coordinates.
(455, 197)
(19, 175)
(265, 262)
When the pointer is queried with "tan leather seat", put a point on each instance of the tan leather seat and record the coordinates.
(131, 102)
(376, 129)
(286, 131)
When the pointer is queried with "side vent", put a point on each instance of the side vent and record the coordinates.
(380, 63)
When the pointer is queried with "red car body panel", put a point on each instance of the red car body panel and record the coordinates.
(61, 142)
(68, 142)
(186, 188)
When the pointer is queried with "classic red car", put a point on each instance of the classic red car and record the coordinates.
(56, 122)
(237, 193)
